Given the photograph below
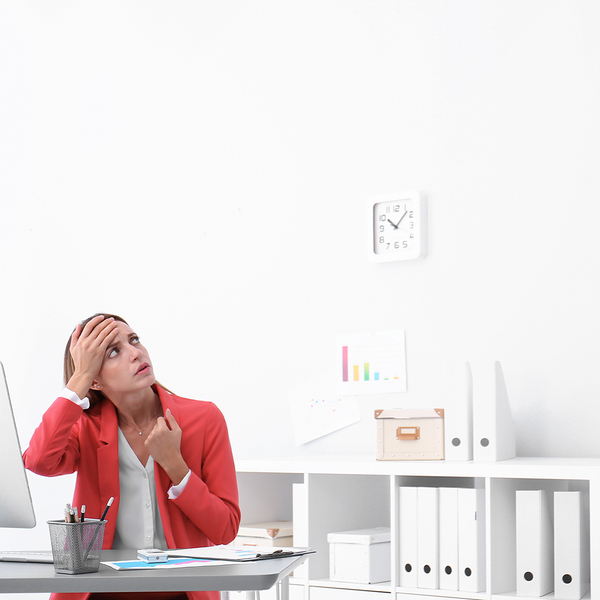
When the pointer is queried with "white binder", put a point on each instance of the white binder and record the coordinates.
(571, 545)
(407, 538)
(535, 543)
(471, 539)
(428, 550)
(494, 435)
(458, 413)
(449, 539)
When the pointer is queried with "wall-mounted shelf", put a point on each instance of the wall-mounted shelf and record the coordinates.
(330, 493)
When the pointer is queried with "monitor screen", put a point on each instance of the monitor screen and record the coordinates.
(16, 507)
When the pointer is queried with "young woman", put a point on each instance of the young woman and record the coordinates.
(166, 460)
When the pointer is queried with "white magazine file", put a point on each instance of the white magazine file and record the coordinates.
(458, 413)
(494, 435)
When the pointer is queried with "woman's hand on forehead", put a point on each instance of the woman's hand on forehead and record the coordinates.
(89, 344)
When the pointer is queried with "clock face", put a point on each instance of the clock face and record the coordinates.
(398, 228)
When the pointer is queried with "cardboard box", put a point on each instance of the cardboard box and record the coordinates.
(274, 534)
(410, 434)
(360, 556)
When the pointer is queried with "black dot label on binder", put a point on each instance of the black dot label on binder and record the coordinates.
(408, 567)
(448, 570)
(528, 576)
(567, 578)
(468, 572)
(456, 442)
(427, 569)
(485, 442)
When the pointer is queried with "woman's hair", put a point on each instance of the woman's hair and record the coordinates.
(69, 366)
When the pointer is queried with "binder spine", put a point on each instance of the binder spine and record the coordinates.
(571, 546)
(407, 539)
(428, 538)
(471, 540)
(535, 543)
(449, 539)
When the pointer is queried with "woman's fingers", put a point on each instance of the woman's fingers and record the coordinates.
(105, 331)
(75, 335)
(97, 332)
(98, 328)
(89, 343)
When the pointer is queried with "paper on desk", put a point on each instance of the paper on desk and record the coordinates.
(317, 410)
(172, 563)
(239, 553)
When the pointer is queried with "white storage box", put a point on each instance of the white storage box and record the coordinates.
(275, 534)
(410, 434)
(360, 556)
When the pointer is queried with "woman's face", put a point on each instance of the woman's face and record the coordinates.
(127, 366)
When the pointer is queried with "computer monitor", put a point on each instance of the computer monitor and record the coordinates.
(16, 507)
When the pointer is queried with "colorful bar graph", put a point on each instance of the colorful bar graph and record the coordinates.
(344, 363)
(371, 363)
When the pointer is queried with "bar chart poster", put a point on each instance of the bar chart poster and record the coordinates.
(371, 363)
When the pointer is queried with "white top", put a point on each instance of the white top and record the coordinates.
(138, 520)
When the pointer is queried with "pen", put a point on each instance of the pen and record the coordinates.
(69, 514)
(82, 513)
(110, 501)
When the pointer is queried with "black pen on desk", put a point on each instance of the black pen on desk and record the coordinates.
(110, 501)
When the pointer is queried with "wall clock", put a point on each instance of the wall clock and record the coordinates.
(398, 226)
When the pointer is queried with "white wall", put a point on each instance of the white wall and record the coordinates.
(202, 169)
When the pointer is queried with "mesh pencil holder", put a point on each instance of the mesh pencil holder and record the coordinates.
(76, 547)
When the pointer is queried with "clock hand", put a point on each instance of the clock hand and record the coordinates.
(394, 226)
(400, 221)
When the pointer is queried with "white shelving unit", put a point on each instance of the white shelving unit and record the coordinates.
(331, 493)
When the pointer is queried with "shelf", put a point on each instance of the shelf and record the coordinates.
(365, 587)
(540, 467)
(324, 494)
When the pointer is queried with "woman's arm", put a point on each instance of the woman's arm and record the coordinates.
(54, 446)
(210, 497)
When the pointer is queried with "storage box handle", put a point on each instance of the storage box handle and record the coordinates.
(408, 433)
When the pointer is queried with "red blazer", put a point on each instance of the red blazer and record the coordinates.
(205, 513)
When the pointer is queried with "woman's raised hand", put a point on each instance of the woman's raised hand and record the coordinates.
(164, 444)
(88, 348)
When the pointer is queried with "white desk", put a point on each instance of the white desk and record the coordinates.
(249, 576)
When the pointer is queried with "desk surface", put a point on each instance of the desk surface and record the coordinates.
(256, 575)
